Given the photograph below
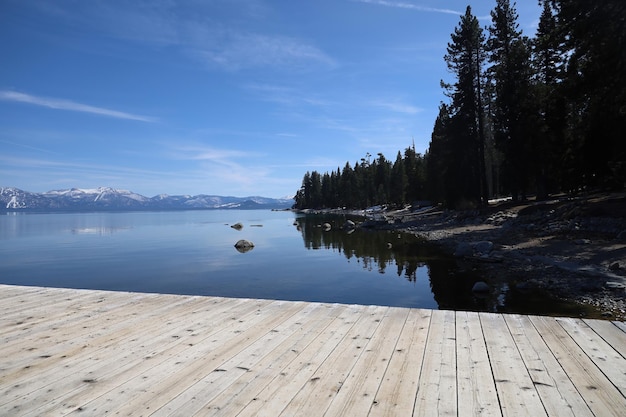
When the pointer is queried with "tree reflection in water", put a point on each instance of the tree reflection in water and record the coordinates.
(405, 254)
(376, 250)
(413, 258)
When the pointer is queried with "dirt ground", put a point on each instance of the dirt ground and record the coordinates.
(573, 248)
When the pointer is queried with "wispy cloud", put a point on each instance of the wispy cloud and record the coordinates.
(208, 153)
(397, 107)
(237, 168)
(289, 96)
(205, 175)
(29, 147)
(235, 50)
(200, 30)
(61, 104)
(410, 6)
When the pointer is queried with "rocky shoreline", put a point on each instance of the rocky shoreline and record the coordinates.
(572, 248)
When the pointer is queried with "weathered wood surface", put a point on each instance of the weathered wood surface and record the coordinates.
(78, 352)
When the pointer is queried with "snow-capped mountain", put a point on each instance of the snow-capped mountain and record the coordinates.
(97, 197)
(106, 198)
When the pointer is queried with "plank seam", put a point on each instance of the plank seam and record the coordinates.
(530, 377)
(395, 345)
(561, 365)
(591, 359)
(421, 374)
(621, 353)
(482, 332)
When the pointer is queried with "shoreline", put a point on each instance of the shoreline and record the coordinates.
(572, 248)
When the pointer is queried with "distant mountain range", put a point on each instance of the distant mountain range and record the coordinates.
(106, 198)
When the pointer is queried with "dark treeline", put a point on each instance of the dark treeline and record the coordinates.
(524, 116)
(370, 182)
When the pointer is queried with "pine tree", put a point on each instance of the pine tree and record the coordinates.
(548, 60)
(596, 81)
(399, 180)
(465, 58)
(315, 190)
(510, 74)
(440, 166)
(382, 179)
(415, 172)
(347, 187)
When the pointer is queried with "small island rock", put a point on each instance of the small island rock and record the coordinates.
(244, 245)
(480, 287)
(349, 225)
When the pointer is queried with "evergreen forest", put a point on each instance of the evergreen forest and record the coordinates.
(523, 116)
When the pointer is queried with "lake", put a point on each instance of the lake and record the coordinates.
(192, 252)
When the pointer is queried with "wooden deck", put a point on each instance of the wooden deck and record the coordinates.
(95, 353)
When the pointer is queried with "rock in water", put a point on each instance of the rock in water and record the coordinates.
(483, 247)
(463, 249)
(244, 245)
(480, 287)
(326, 227)
(237, 226)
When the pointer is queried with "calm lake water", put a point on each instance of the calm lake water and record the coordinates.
(193, 252)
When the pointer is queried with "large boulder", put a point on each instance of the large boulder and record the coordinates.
(480, 287)
(483, 248)
(349, 225)
(463, 249)
(243, 245)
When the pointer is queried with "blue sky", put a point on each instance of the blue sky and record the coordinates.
(227, 97)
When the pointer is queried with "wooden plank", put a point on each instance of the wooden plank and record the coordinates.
(476, 387)
(18, 294)
(357, 394)
(517, 393)
(602, 397)
(152, 350)
(127, 355)
(61, 346)
(436, 394)
(558, 395)
(48, 312)
(56, 300)
(621, 325)
(607, 331)
(607, 359)
(316, 396)
(279, 392)
(99, 360)
(246, 388)
(14, 291)
(398, 389)
(217, 392)
(158, 385)
(72, 320)
(99, 352)
(46, 341)
(203, 391)
(16, 299)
